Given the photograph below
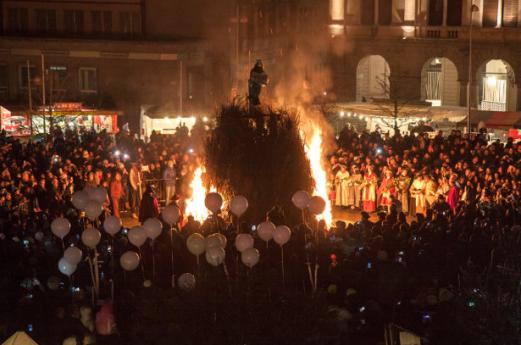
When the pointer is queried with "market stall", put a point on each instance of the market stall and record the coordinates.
(21, 122)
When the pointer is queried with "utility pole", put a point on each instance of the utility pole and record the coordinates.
(30, 96)
(180, 87)
(43, 91)
(473, 8)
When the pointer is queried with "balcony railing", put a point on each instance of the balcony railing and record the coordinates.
(492, 106)
(502, 35)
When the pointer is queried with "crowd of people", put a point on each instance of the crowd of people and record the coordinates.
(448, 215)
(417, 173)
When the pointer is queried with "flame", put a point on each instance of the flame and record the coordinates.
(314, 154)
(195, 204)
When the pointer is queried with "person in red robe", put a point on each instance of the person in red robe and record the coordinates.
(387, 190)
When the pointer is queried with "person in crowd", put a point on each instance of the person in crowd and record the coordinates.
(387, 190)
(135, 189)
(149, 207)
(453, 196)
(169, 178)
(369, 183)
(418, 204)
(342, 187)
(116, 194)
(354, 188)
(403, 183)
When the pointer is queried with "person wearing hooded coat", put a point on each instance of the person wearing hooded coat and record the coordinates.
(149, 207)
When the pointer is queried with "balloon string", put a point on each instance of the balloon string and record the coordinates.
(153, 263)
(282, 264)
(172, 253)
(96, 271)
(142, 263)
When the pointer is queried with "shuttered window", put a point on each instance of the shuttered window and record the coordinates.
(384, 12)
(454, 12)
(490, 13)
(367, 17)
(436, 12)
(510, 10)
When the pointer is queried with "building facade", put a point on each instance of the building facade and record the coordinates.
(415, 50)
(99, 53)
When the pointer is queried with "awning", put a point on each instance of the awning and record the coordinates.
(495, 119)
(385, 108)
(20, 338)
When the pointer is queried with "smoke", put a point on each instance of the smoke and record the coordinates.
(300, 82)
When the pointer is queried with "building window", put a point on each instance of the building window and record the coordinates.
(17, 20)
(88, 79)
(101, 22)
(73, 21)
(129, 22)
(510, 11)
(4, 82)
(436, 12)
(367, 13)
(58, 76)
(23, 75)
(454, 12)
(490, 13)
(45, 20)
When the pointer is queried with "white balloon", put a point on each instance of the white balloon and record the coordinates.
(61, 227)
(317, 205)
(243, 242)
(265, 230)
(112, 225)
(153, 228)
(170, 214)
(99, 194)
(39, 236)
(90, 191)
(250, 257)
(73, 255)
(215, 240)
(137, 236)
(281, 235)
(66, 267)
(300, 199)
(79, 199)
(91, 237)
(93, 209)
(215, 256)
(129, 260)
(213, 202)
(239, 205)
(186, 282)
(196, 244)
(223, 239)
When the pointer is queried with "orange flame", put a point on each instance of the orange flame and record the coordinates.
(195, 204)
(314, 153)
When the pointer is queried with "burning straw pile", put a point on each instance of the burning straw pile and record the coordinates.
(261, 156)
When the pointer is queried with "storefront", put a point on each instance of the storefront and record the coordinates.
(71, 115)
(17, 125)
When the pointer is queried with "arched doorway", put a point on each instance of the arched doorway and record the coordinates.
(439, 82)
(497, 89)
(372, 78)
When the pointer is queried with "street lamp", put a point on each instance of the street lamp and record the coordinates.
(473, 9)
